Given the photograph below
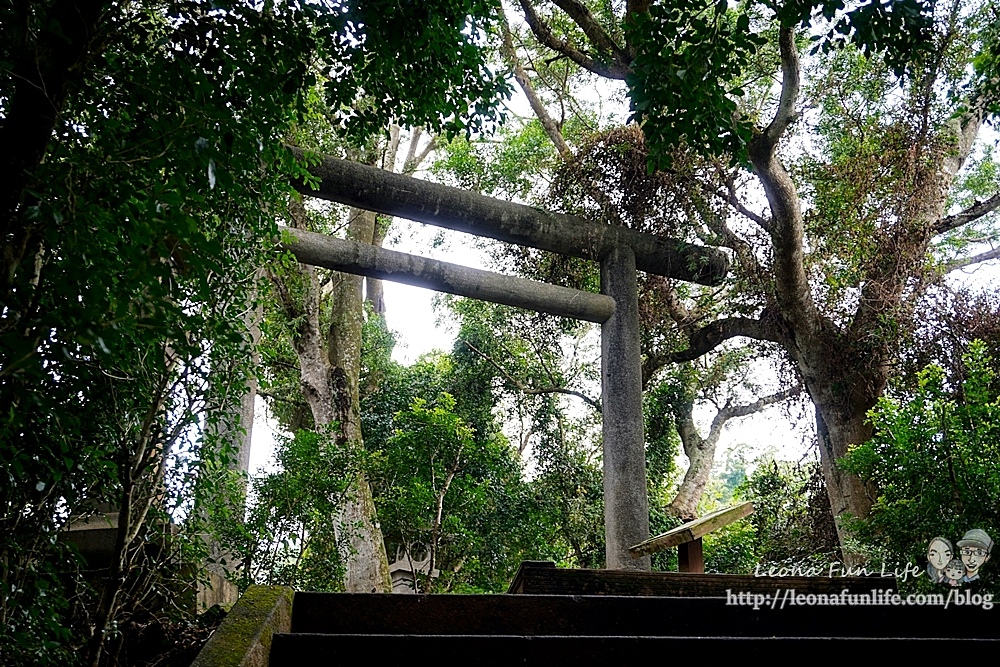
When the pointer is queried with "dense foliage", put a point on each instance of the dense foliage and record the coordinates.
(143, 171)
(934, 462)
(144, 221)
(285, 534)
(692, 61)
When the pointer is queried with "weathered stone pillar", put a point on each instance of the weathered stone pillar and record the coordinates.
(626, 512)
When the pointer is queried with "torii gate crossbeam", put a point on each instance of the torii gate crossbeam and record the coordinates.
(620, 251)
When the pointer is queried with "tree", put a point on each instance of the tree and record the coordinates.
(130, 196)
(325, 318)
(718, 382)
(286, 536)
(831, 271)
(444, 478)
(329, 370)
(791, 522)
(143, 169)
(518, 358)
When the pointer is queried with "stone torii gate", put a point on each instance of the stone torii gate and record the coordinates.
(620, 251)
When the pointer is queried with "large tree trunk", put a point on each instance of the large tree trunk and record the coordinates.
(848, 372)
(367, 564)
(374, 289)
(329, 368)
(848, 495)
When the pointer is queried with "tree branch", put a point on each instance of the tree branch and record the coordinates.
(544, 34)
(974, 212)
(281, 399)
(790, 83)
(712, 335)
(969, 261)
(592, 29)
(550, 126)
(411, 152)
(391, 148)
(792, 290)
(731, 412)
(414, 164)
(729, 239)
(532, 390)
(701, 451)
(731, 198)
(679, 313)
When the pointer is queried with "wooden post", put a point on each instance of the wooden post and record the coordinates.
(690, 557)
(626, 513)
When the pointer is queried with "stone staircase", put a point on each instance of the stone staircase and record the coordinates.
(555, 629)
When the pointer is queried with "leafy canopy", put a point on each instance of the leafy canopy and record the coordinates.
(696, 65)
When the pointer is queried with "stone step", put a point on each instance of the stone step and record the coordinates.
(539, 615)
(292, 650)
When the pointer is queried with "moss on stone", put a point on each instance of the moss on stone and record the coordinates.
(244, 638)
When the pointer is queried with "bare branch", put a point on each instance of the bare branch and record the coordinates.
(733, 200)
(729, 239)
(532, 390)
(701, 451)
(411, 152)
(544, 34)
(731, 412)
(413, 165)
(550, 126)
(391, 148)
(414, 158)
(971, 214)
(969, 261)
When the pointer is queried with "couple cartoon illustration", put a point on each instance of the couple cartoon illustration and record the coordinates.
(944, 568)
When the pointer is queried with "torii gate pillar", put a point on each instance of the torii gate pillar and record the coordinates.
(626, 512)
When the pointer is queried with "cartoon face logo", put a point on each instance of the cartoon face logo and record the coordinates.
(975, 547)
(954, 571)
(939, 554)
